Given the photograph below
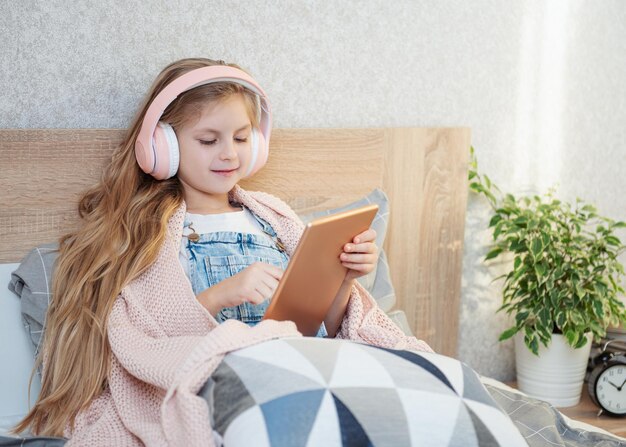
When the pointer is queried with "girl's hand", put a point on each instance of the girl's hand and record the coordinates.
(360, 255)
(254, 284)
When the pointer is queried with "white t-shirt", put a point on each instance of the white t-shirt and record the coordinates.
(238, 221)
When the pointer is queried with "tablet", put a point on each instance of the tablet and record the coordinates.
(307, 289)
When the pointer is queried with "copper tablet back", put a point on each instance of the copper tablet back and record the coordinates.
(314, 275)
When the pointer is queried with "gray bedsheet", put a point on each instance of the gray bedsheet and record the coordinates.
(37, 441)
(543, 425)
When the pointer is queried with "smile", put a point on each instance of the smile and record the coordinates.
(225, 172)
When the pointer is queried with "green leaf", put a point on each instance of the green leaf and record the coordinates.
(521, 222)
(612, 240)
(554, 297)
(545, 334)
(494, 220)
(493, 253)
(540, 269)
(517, 246)
(477, 187)
(600, 287)
(508, 333)
(581, 342)
(597, 308)
(487, 181)
(577, 318)
(534, 346)
(498, 229)
(572, 337)
(518, 273)
(520, 317)
(597, 329)
(544, 317)
(536, 247)
(599, 268)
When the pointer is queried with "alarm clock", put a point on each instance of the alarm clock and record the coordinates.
(607, 384)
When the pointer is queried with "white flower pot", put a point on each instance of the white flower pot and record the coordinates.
(556, 375)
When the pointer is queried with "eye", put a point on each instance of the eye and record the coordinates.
(208, 143)
(241, 139)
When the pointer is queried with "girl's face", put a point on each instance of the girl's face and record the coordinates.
(214, 154)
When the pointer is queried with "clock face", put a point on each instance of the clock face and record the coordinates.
(611, 389)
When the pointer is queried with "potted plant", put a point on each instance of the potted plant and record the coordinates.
(563, 287)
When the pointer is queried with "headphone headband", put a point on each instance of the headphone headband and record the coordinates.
(188, 81)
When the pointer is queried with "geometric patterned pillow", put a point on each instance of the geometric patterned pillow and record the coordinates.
(309, 391)
(378, 282)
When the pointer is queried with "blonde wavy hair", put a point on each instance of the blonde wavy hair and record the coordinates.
(123, 225)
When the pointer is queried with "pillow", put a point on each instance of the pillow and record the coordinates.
(378, 283)
(312, 391)
(32, 282)
(16, 354)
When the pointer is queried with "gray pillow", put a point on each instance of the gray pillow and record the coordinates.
(378, 283)
(32, 282)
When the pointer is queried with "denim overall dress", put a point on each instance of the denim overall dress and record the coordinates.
(216, 256)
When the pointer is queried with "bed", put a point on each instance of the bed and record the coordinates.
(420, 173)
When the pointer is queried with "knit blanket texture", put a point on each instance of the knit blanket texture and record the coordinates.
(165, 344)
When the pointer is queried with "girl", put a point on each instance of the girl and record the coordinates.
(170, 247)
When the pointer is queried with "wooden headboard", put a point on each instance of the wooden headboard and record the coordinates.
(422, 170)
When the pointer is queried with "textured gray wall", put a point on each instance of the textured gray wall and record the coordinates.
(541, 84)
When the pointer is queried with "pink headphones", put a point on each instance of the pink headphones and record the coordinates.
(156, 147)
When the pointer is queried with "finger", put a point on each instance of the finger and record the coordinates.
(358, 267)
(367, 247)
(256, 297)
(358, 258)
(265, 291)
(367, 236)
(271, 283)
(274, 271)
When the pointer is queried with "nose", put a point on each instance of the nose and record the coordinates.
(227, 151)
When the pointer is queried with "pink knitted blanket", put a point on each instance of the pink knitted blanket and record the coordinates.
(166, 345)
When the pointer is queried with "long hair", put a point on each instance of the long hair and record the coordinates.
(123, 225)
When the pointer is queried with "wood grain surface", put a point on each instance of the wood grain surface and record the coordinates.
(422, 170)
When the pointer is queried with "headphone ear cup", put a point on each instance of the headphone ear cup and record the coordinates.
(166, 151)
(259, 152)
